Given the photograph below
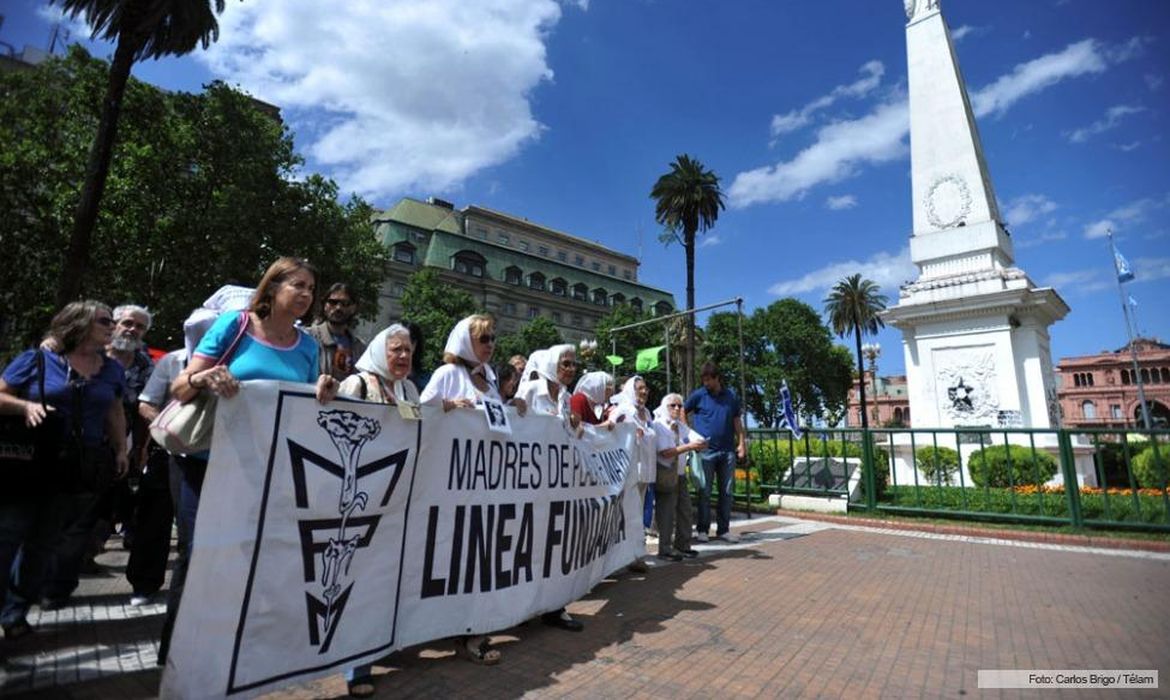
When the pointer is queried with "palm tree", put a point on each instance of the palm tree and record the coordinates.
(142, 29)
(853, 306)
(687, 201)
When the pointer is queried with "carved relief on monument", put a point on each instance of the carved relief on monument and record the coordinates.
(913, 5)
(966, 385)
(948, 201)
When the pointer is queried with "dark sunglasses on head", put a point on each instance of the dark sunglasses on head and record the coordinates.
(338, 302)
(487, 338)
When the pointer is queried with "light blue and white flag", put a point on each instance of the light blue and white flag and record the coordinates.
(1124, 271)
(788, 420)
(1132, 301)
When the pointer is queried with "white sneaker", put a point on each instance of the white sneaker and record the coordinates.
(702, 537)
(729, 537)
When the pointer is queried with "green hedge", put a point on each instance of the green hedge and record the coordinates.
(1150, 466)
(1122, 508)
(938, 464)
(1010, 465)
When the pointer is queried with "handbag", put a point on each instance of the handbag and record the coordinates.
(185, 428)
(25, 452)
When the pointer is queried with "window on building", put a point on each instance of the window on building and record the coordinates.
(897, 414)
(536, 281)
(1088, 410)
(562, 256)
(513, 275)
(523, 246)
(662, 308)
(1155, 376)
(533, 311)
(510, 308)
(581, 292)
(577, 320)
(596, 266)
(502, 238)
(559, 287)
(1125, 377)
(543, 251)
(1166, 375)
(579, 260)
(469, 263)
(600, 297)
(612, 270)
(418, 236)
(617, 299)
(636, 303)
(627, 274)
(1146, 375)
(404, 253)
(1115, 410)
(480, 232)
(556, 317)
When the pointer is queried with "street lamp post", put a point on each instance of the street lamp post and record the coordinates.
(872, 351)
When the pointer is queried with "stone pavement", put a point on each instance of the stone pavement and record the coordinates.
(797, 609)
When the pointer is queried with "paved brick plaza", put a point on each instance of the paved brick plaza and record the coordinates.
(798, 609)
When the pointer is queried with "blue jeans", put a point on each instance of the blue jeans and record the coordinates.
(191, 471)
(719, 463)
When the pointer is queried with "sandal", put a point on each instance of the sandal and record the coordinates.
(361, 687)
(478, 650)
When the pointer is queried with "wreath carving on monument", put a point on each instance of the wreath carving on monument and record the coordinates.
(948, 202)
(969, 397)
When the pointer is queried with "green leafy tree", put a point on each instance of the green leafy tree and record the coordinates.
(141, 29)
(938, 464)
(853, 306)
(199, 194)
(436, 308)
(687, 201)
(628, 343)
(785, 341)
(1001, 466)
(538, 333)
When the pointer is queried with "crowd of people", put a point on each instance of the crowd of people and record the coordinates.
(92, 390)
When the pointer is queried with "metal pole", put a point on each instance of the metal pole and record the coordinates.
(1137, 374)
(666, 339)
(743, 414)
(660, 319)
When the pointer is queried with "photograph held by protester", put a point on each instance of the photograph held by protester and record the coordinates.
(82, 390)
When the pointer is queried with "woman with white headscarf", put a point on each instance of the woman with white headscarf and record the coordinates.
(630, 407)
(465, 375)
(555, 369)
(591, 398)
(383, 369)
(673, 439)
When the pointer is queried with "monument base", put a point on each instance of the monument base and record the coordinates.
(816, 504)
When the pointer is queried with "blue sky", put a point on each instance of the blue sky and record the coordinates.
(566, 113)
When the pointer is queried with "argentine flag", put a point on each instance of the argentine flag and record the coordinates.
(788, 420)
(1124, 271)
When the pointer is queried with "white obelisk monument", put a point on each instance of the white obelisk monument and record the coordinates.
(974, 327)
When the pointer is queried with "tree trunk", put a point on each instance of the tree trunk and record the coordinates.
(860, 377)
(69, 287)
(689, 377)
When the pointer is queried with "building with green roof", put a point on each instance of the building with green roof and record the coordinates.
(516, 269)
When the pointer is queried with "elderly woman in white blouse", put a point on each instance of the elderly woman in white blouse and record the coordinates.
(548, 393)
(630, 406)
(383, 369)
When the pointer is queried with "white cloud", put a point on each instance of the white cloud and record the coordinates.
(1134, 212)
(1033, 241)
(1127, 147)
(709, 240)
(75, 27)
(1028, 78)
(394, 95)
(967, 30)
(1150, 269)
(878, 137)
(1027, 208)
(889, 271)
(872, 73)
(1111, 120)
(1153, 81)
(845, 201)
(1078, 281)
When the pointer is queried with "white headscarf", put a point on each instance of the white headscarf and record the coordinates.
(373, 360)
(627, 401)
(662, 413)
(546, 365)
(592, 385)
(460, 345)
(536, 358)
(227, 298)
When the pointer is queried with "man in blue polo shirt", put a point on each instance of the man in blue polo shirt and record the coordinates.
(714, 412)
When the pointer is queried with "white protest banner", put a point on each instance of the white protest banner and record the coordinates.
(328, 536)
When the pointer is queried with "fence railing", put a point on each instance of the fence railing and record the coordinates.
(1105, 478)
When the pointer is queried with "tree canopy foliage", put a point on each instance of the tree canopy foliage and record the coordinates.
(436, 308)
(538, 333)
(201, 192)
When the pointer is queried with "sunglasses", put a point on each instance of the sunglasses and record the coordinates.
(674, 405)
(487, 338)
(338, 302)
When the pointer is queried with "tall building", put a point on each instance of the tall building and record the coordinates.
(1101, 391)
(974, 327)
(516, 269)
(887, 400)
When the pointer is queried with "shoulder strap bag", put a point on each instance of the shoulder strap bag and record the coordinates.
(185, 428)
(25, 451)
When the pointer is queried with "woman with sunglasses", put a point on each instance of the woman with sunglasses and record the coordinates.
(81, 406)
(548, 393)
(672, 508)
(630, 406)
